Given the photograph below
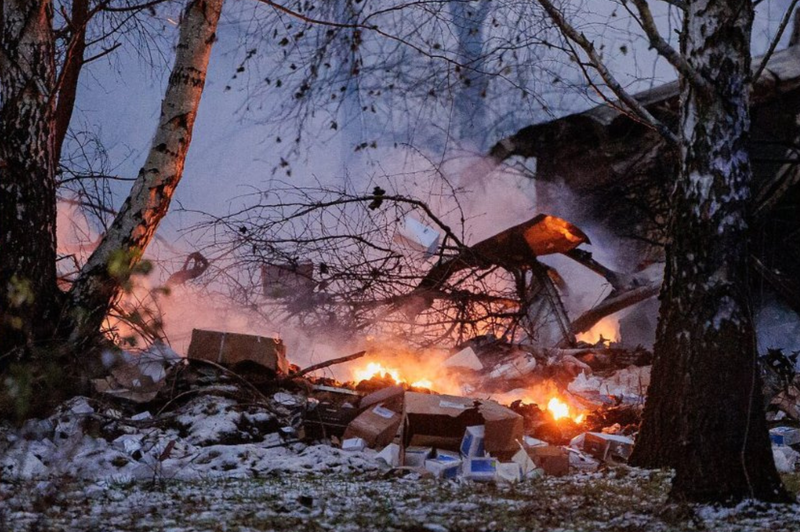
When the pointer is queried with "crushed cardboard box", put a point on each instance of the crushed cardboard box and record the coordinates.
(391, 398)
(552, 459)
(232, 348)
(377, 425)
(440, 421)
(607, 447)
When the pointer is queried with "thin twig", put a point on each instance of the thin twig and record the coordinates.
(666, 51)
(631, 102)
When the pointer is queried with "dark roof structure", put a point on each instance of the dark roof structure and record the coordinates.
(605, 166)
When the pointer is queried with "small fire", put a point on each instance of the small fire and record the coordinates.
(606, 329)
(559, 409)
(374, 369)
(377, 369)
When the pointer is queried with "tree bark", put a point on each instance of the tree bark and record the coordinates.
(110, 265)
(704, 415)
(28, 291)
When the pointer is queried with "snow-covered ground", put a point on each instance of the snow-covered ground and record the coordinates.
(621, 499)
(217, 464)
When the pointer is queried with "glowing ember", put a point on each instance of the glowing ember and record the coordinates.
(423, 383)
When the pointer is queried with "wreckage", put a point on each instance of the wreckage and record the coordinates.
(604, 167)
(500, 409)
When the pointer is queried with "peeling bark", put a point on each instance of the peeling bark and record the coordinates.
(132, 230)
(703, 414)
(28, 292)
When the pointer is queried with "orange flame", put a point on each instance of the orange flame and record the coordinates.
(428, 372)
(374, 369)
(404, 368)
(559, 410)
(606, 329)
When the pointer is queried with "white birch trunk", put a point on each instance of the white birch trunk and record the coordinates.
(149, 200)
(704, 413)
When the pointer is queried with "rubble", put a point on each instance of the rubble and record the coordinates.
(211, 415)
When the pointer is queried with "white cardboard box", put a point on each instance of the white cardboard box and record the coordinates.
(418, 236)
(472, 443)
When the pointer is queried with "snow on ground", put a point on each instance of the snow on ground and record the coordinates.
(208, 437)
(621, 499)
(215, 465)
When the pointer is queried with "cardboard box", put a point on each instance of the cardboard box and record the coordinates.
(784, 435)
(508, 472)
(287, 280)
(391, 398)
(232, 348)
(466, 358)
(415, 455)
(418, 236)
(481, 469)
(440, 421)
(443, 468)
(390, 455)
(472, 443)
(607, 446)
(377, 426)
(552, 459)
(354, 444)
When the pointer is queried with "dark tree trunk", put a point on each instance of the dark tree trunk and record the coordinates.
(704, 415)
(28, 292)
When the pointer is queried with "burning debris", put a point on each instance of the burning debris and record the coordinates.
(241, 409)
(239, 391)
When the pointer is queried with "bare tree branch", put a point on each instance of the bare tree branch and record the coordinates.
(784, 22)
(631, 102)
(668, 52)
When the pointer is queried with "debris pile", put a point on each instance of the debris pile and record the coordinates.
(236, 407)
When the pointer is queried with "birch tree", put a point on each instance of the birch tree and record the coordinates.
(35, 313)
(703, 415)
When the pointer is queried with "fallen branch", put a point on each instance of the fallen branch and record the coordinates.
(612, 304)
(326, 364)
